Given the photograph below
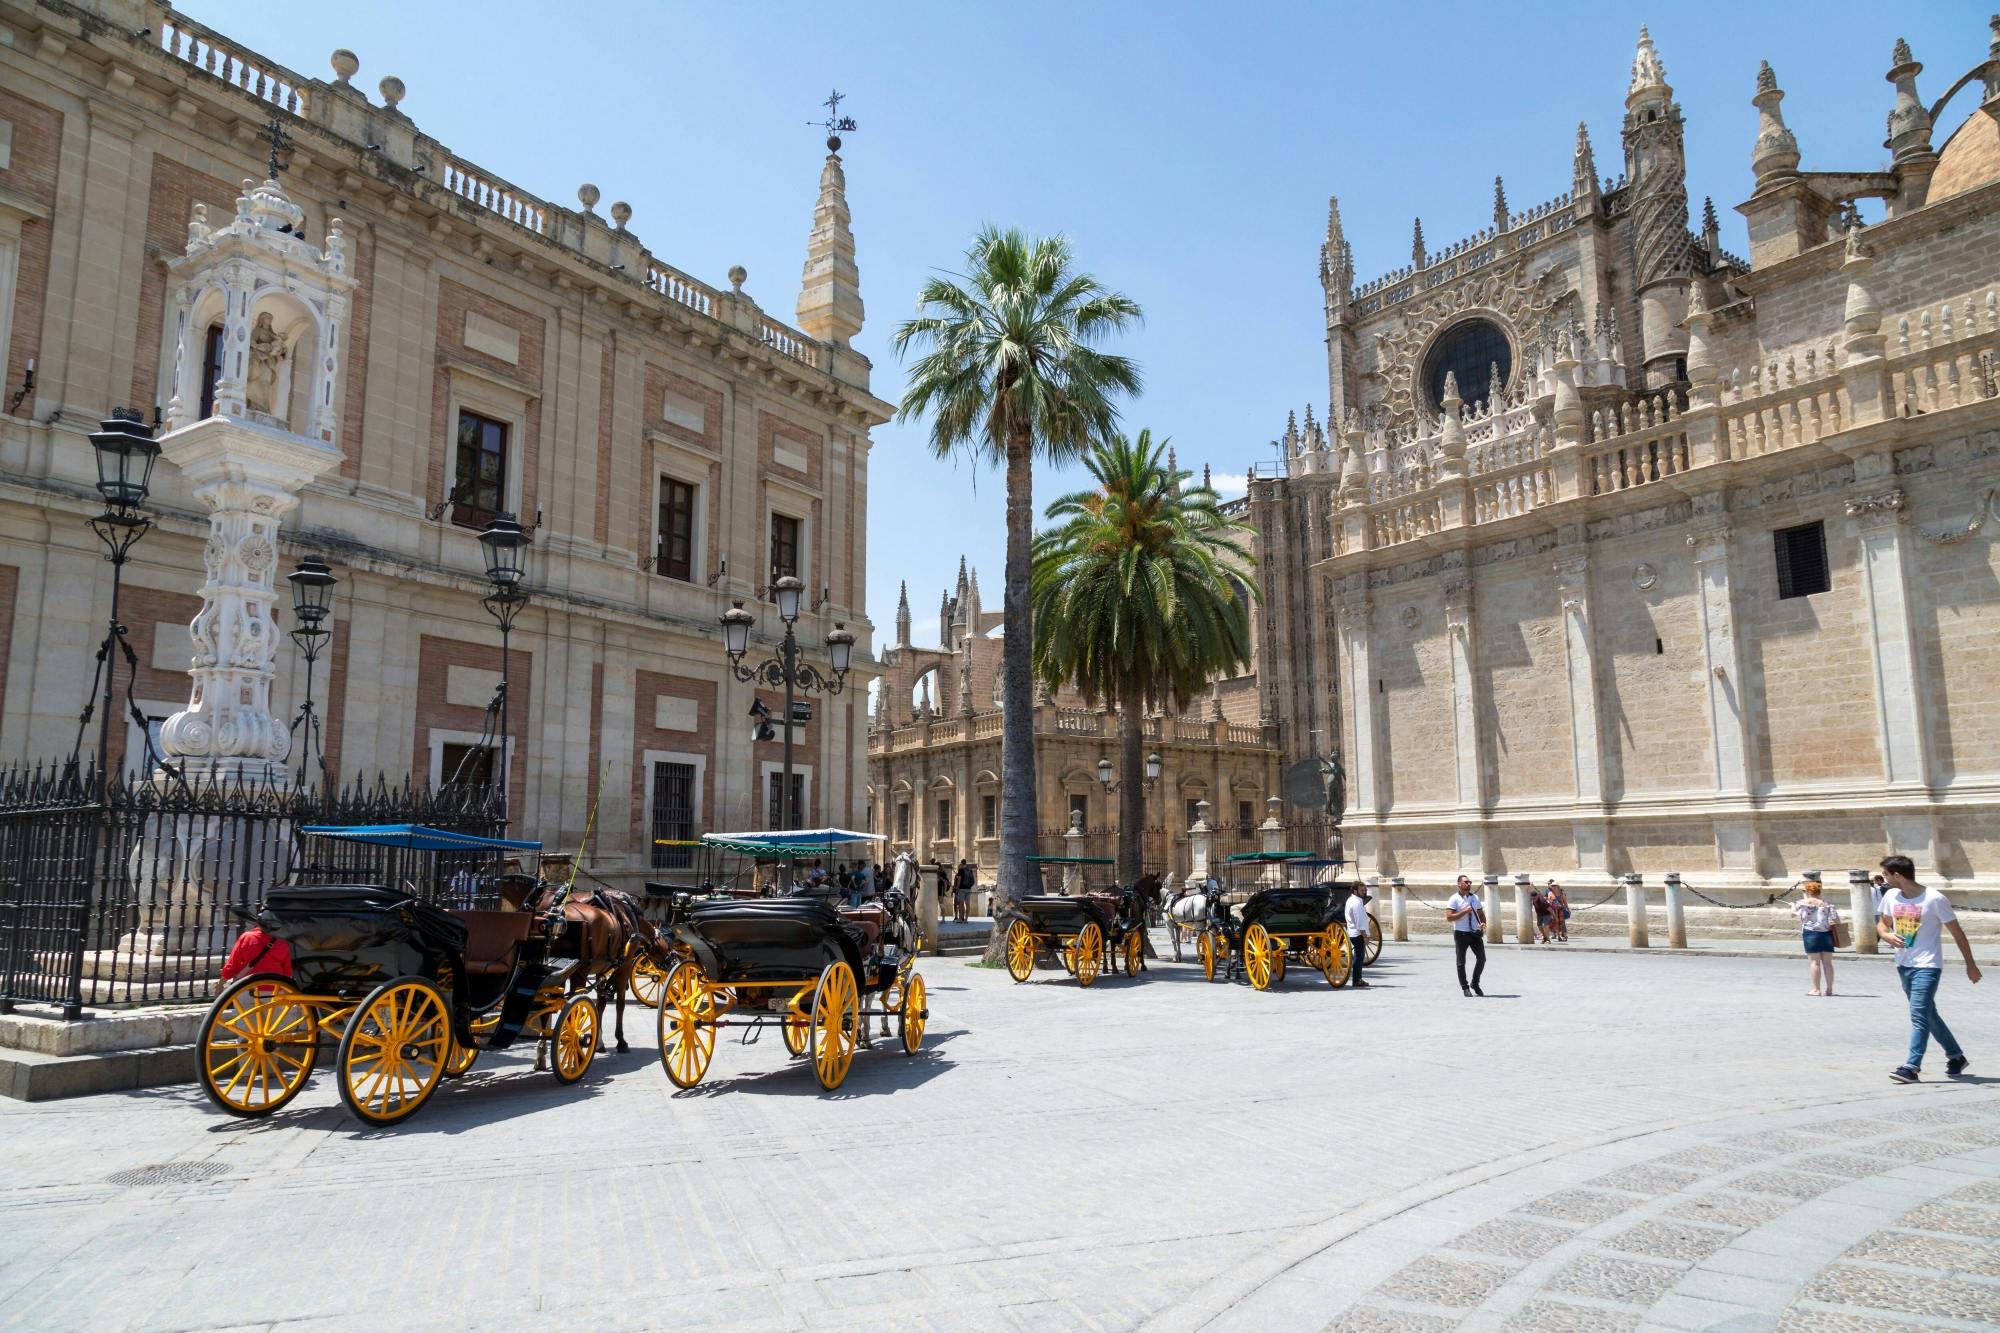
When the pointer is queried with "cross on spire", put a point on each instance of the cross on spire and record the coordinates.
(835, 124)
(280, 141)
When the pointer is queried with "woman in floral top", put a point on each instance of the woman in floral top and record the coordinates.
(1817, 918)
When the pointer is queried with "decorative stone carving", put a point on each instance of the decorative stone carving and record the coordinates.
(1645, 578)
(1412, 617)
(1887, 502)
(1946, 537)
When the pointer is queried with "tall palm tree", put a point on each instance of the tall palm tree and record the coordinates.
(1141, 596)
(1012, 365)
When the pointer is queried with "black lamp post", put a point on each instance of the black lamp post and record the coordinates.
(1105, 770)
(786, 670)
(312, 602)
(505, 543)
(126, 452)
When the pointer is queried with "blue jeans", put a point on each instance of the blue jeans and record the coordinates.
(1921, 984)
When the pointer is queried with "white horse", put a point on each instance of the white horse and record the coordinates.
(1187, 911)
(908, 880)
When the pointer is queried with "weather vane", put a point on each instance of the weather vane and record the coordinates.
(281, 142)
(835, 124)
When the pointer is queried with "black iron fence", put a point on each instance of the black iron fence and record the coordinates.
(131, 892)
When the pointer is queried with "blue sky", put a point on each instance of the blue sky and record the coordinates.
(1187, 149)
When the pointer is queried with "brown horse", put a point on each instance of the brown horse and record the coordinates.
(604, 930)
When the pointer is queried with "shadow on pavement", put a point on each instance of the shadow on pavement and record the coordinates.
(874, 1073)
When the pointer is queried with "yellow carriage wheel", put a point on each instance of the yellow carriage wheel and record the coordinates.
(1135, 952)
(460, 1059)
(648, 980)
(915, 1016)
(1214, 953)
(1088, 953)
(394, 1050)
(1020, 951)
(1258, 949)
(798, 1032)
(687, 1025)
(1336, 955)
(577, 1025)
(834, 1024)
(257, 1045)
(1374, 940)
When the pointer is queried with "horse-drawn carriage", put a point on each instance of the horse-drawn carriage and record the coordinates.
(1089, 933)
(414, 991)
(816, 968)
(1276, 924)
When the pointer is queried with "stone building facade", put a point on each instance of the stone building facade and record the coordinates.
(1623, 553)
(672, 445)
(934, 754)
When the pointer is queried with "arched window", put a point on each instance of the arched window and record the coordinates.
(1468, 350)
(211, 370)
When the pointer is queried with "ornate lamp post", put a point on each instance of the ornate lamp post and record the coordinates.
(126, 453)
(1105, 770)
(312, 601)
(505, 543)
(786, 670)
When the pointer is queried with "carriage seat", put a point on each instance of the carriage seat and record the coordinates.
(491, 939)
(871, 918)
(1106, 902)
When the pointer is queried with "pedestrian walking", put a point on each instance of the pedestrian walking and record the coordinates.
(1558, 911)
(961, 891)
(1817, 921)
(1914, 919)
(1467, 915)
(1357, 930)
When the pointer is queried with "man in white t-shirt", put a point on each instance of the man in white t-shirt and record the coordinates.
(1467, 915)
(1357, 930)
(1914, 919)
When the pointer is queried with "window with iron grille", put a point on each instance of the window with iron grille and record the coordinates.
(479, 486)
(673, 814)
(466, 766)
(944, 818)
(989, 815)
(902, 821)
(1802, 568)
(1243, 820)
(674, 558)
(774, 810)
(784, 547)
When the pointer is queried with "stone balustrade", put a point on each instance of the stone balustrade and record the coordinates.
(209, 51)
(495, 195)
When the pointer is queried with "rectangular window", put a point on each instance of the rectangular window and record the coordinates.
(989, 816)
(784, 547)
(211, 369)
(1801, 552)
(479, 476)
(467, 766)
(1193, 814)
(1243, 822)
(774, 810)
(944, 818)
(674, 557)
(672, 815)
(1079, 804)
(902, 821)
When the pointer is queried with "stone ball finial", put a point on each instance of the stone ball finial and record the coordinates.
(738, 275)
(587, 195)
(392, 90)
(345, 64)
(621, 213)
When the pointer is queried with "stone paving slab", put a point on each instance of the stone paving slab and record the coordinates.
(1159, 1153)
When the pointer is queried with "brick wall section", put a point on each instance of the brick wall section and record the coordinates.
(435, 658)
(454, 300)
(799, 439)
(644, 521)
(354, 359)
(176, 189)
(10, 587)
(141, 610)
(773, 752)
(37, 154)
(648, 686)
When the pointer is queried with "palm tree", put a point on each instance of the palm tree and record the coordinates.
(1012, 365)
(1141, 596)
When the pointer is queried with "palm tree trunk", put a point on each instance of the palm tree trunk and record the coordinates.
(1019, 812)
(1131, 791)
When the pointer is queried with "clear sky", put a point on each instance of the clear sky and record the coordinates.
(1187, 149)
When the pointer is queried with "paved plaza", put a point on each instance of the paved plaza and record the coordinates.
(1606, 1141)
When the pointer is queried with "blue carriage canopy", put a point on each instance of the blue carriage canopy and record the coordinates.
(418, 837)
(795, 840)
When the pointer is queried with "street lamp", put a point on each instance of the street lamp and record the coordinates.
(786, 671)
(1105, 771)
(125, 451)
(312, 601)
(505, 544)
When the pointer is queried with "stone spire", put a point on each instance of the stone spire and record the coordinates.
(1776, 153)
(1649, 76)
(1711, 231)
(1583, 184)
(830, 293)
(903, 616)
(1909, 123)
(1499, 204)
(944, 621)
(1417, 244)
(1336, 261)
(1291, 440)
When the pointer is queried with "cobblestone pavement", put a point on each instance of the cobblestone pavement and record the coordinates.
(1602, 1143)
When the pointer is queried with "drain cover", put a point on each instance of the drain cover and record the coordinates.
(166, 1173)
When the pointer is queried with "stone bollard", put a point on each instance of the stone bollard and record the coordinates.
(1489, 893)
(1524, 910)
(1677, 929)
(1861, 905)
(1399, 909)
(1635, 911)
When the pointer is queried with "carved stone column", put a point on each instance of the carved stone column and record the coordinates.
(1465, 723)
(1902, 736)
(1357, 660)
(1589, 826)
(1073, 847)
(1727, 701)
(1198, 835)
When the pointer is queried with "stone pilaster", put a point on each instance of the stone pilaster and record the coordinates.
(1572, 572)
(1727, 703)
(1471, 766)
(1877, 519)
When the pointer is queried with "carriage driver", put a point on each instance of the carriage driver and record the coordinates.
(1357, 930)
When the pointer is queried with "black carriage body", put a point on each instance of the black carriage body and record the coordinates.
(347, 939)
(770, 939)
(1296, 910)
(1057, 914)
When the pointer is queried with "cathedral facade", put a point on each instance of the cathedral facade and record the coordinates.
(1619, 552)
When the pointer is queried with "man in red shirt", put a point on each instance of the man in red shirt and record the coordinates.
(257, 950)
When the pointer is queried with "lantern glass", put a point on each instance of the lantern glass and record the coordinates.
(1104, 771)
(505, 543)
(736, 623)
(840, 647)
(787, 592)
(312, 590)
(125, 455)
(1152, 768)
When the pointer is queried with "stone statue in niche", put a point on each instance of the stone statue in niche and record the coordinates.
(267, 353)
